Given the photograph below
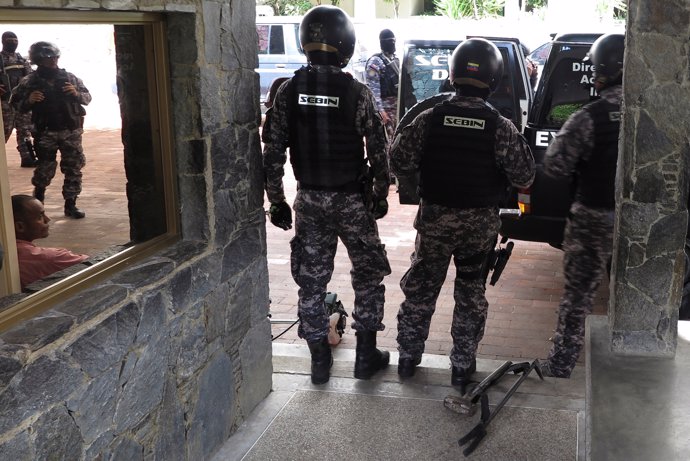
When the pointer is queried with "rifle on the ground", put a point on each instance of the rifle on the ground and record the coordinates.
(476, 435)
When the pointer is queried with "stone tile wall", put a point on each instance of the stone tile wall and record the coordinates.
(165, 360)
(653, 180)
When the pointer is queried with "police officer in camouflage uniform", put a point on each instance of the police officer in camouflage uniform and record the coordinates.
(466, 154)
(383, 77)
(322, 114)
(55, 98)
(586, 149)
(12, 69)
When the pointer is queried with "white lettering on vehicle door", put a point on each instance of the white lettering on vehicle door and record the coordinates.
(543, 138)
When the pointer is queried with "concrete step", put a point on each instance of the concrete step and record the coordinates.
(637, 407)
(386, 418)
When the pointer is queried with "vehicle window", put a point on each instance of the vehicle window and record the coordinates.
(295, 30)
(569, 92)
(540, 54)
(502, 98)
(128, 189)
(262, 32)
(276, 43)
(428, 70)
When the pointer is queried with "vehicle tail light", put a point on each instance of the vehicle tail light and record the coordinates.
(524, 198)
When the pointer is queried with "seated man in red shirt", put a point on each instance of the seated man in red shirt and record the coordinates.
(31, 223)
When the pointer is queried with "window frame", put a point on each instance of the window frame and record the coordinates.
(158, 76)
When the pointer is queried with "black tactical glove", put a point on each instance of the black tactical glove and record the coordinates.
(379, 208)
(281, 215)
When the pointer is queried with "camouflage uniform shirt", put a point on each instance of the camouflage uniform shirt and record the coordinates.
(587, 241)
(12, 119)
(322, 217)
(464, 234)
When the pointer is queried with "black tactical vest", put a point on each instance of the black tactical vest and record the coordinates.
(325, 150)
(16, 71)
(388, 77)
(58, 111)
(458, 167)
(597, 176)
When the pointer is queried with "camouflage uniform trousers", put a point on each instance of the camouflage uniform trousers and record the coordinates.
(390, 106)
(320, 219)
(21, 122)
(442, 232)
(72, 160)
(587, 246)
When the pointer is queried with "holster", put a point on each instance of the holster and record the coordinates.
(367, 181)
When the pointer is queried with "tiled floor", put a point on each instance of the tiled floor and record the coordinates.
(522, 306)
(103, 196)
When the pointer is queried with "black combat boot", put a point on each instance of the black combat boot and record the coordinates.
(461, 376)
(40, 193)
(321, 361)
(368, 359)
(407, 367)
(71, 210)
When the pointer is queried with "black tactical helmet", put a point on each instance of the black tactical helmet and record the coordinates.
(606, 54)
(327, 36)
(476, 62)
(41, 50)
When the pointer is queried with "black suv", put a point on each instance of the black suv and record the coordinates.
(537, 213)
(564, 87)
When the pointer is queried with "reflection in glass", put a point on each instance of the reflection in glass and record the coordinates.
(87, 51)
(122, 207)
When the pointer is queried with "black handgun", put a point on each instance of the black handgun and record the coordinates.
(502, 257)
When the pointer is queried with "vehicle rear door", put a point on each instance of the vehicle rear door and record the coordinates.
(564, 88)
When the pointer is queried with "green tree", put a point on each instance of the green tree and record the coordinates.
(289, 7)
(456, 9)
(396, 6)
(608, 9)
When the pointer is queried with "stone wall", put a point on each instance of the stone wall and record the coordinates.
(163, 361)
(653, 180)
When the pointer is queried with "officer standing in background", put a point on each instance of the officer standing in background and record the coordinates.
(383, 77)
(466, 155)
(55, 98)
(322, 114)
(13, 68)
(586, 149)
